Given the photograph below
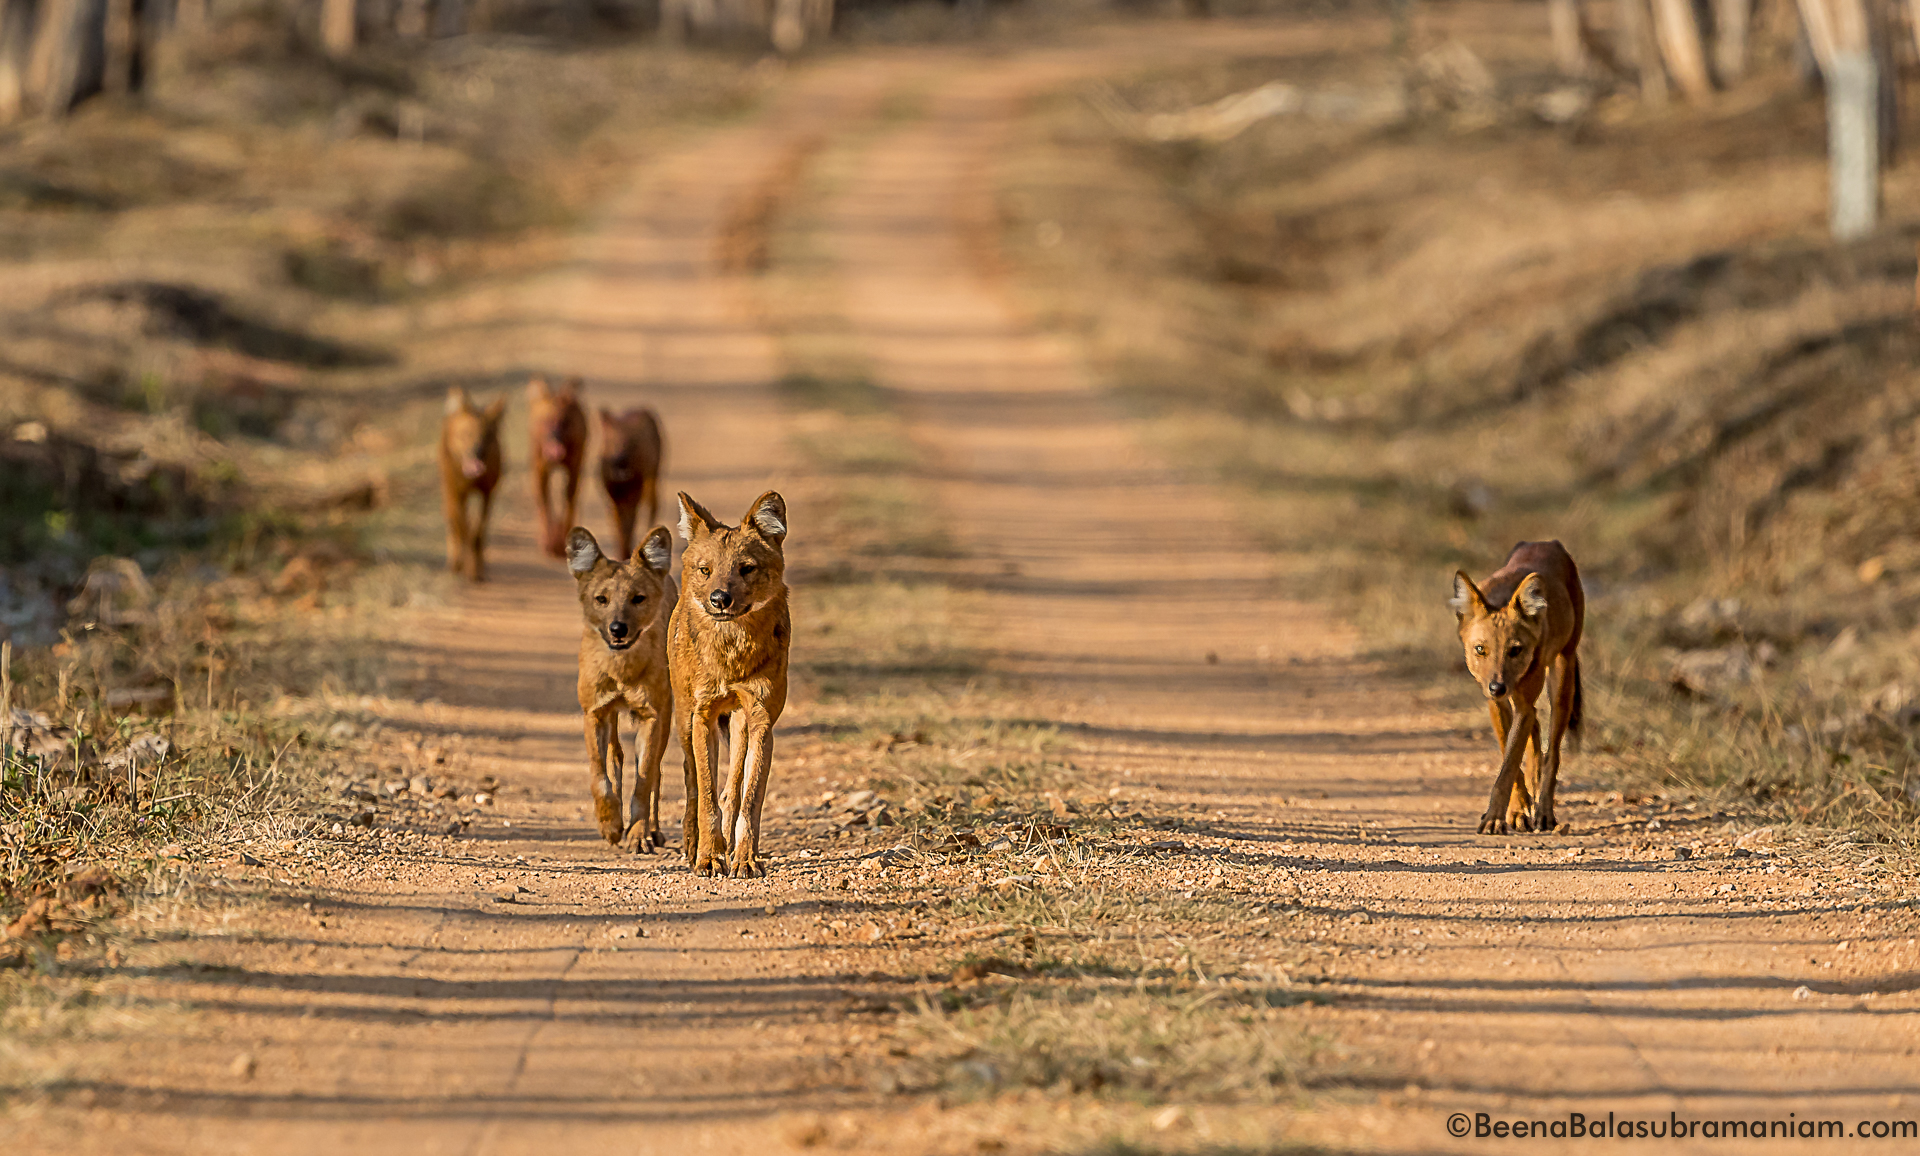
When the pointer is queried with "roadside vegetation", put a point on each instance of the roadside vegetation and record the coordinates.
(1464, 306)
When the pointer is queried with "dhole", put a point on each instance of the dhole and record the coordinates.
(1521, 630)
(469, 466)
(630, 468)
(623, 667)
(728, 643)
(558, 429)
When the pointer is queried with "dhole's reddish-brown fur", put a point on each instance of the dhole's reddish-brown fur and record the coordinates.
(630, 452)
(469, 469)
(623, 667)
(727, 648)
(1521, 631)
(557, 429)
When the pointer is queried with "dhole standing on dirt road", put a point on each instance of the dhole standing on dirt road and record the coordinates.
(557, 429)
(728, 643)
(469, 467)
(1521, 631)
(623, 667)
(630, 453)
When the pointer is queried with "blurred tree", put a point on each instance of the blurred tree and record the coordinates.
(1640, 52)
(1850, 46)
(337, 26)
(1732, 20)
(1566, 23)
(16, 45)
(1678, 31)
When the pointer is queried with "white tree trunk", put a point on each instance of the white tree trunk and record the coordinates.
(1853, 142)
(1680, 45)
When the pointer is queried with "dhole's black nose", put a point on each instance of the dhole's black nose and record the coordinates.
(1496, 688)
(617, 629)
(720, 600)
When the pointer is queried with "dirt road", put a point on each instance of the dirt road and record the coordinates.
(522, 986)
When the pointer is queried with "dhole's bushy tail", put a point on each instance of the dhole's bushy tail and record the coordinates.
(1577, 714)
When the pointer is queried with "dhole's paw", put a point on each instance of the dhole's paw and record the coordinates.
(637, 841)
(1489, 825)
(1545, 823)
(606, 812)
(708, 866)
(749, 869)
(1519, 822)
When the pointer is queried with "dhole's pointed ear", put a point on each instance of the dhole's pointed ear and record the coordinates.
(538, 388)
(656, 553)
(583, 552)
(768, 514)
(695, 520)
(1466, 596)
(457, 400)
(1531, 598)
(496, 409)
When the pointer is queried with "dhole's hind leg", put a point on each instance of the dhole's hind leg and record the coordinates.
(690, 830)
(1560, 691)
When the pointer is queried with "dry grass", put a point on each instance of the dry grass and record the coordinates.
(1412, 345)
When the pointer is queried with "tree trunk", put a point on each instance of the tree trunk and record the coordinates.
(16, 46)
(1731, 21)
(120, 47)
(449, 18)
(67, 55)
(1641, 52)
(1841, 34)
(1853, 143)
(410, 20)
(1564, 20)
(1680, 45)
(337, 26)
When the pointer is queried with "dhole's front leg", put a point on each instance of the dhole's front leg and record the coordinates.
(759, 767)
(480, 537)
(456, 504)
(733, 791)
(604, 755)
(644, 816)
(1512, 749)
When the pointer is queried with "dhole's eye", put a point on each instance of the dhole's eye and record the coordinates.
(600, 599)
(746, 568)
(1514, 650)
(1481, 651)
(706, 571)
(637, 599)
